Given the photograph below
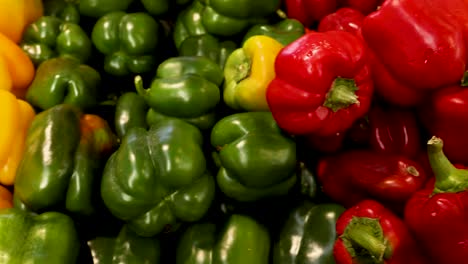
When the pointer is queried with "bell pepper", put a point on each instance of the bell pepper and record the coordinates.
(16, 69)
(248, 71)
(130, 111)
(129, 42)
(330, 96)
(207, 46)
(64, 156)
(184, 87)
(308, 235)
(437, 215)
(240, 240)
(148, 185)
(16, 117)
(99, 8)
(309, 12)
(6, 198)
(50, 37)
(66, 10)
(256, 159)
(394, 131)
(407, 65)
(354, 175)
(363, 6)
(16, 15)
(126, 247)
(50, 237)
(161, 7)
(188, 23)
(445, 114)
(285, 31)
(231, 17)
(64, 80)
(370, 233)
(345, 18)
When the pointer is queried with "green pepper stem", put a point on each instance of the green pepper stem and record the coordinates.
(363, 236)
(139, 85)
(447, 177)
(464, 80)
(342, 94)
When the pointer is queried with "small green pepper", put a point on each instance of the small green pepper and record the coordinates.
(130, 111)
(67, 10)
(99, 8)
(285, 31)
(188, 23)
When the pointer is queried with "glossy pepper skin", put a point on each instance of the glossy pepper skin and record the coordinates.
(16, 116)
(50, 37)
(127, 247)
(50, 237)
(99, 8)
(16, 68)
(248, 72)
(16, 15)
(345, 18)
(285, 31)
(147, 184)
(327, 98)
(354, 175)
(208, 46)
(67, 11)
(130, 111)
(64, 80)
(407, 66)
(363, 6)
(309, 12)
(370, 233)
(308, 235)
(6, 198)
(443, 231)
(256, 159)
(129, 42)
(185, 87)
(188, 23)
(231, 17)
(59, 171)
(240, 240)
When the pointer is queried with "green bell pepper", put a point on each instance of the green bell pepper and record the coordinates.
(158, 178)
(127, 247)
(160, 7)
(285, 31)
(308, 235)
(241, 240)
(64, 80)
(128, 41)
(185, 87)
(49, 238)
(207, 46)
(130, 111)
(67, 10)
(257, 160)
(50, 37)
(64, 157)
(188, 23)
(99, 8)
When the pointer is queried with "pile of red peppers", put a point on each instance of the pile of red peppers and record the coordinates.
(378, 89)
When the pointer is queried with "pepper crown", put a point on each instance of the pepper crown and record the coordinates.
(342, 94)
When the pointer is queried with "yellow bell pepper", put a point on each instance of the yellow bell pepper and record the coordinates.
(16, 15)
(16, 68)
(248, 71)
(16, 116)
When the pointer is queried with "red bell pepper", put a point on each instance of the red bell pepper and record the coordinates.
(355, 175)
(370, 233)
(363, 6)
(446, 115)
(394, 131)
(325, 144)
(418, 46)
(309, 11)
(322, 84)
(346, 19)
(438, 215)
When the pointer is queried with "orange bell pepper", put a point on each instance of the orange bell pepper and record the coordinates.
(16, 68)
(6, 198)
(16, 15)
(16, 116)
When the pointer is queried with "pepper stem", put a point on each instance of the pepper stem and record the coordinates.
(464, 80)
(449, 179)
(139, 85)
(342, 94)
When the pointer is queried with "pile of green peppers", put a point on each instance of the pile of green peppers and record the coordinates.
(134, 157)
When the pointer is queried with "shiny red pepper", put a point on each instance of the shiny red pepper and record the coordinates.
(370, 233)
(355, 175)
(346, 19)
(438, 215)
(394, 131)
(309, 12)
(363, 6)
(418, 46)
(322, 84)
